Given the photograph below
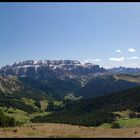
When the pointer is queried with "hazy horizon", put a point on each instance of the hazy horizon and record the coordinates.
(106, 34)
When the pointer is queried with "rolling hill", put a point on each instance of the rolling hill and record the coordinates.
(106, 84)
(96, 111)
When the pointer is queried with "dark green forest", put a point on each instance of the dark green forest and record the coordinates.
(96, 111)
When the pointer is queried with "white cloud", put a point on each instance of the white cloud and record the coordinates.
(131, 50)
(133, 57)
(119, 51)
(118, 59)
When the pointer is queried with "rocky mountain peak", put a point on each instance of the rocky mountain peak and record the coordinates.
(50, 68)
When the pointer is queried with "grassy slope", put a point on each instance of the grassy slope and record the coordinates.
(128, 77)
(129, 123)
(15, 93)
(21, 115)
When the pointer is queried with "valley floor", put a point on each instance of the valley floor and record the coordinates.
(49, 130)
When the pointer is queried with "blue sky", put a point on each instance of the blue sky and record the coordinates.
(107, 34)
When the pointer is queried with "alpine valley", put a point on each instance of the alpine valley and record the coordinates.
(68, 91)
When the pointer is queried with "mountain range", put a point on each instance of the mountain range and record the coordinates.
(68, 87)
(60, 78)
(49, 69)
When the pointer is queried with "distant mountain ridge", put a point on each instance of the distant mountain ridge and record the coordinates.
(49, 69)
(124, 70)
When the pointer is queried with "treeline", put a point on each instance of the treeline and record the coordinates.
(88, 119)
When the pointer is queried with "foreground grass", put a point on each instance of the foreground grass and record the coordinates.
(50, 130)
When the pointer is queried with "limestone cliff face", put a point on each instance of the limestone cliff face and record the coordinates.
(50, 69)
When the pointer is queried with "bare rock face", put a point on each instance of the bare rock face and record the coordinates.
(50, 69)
